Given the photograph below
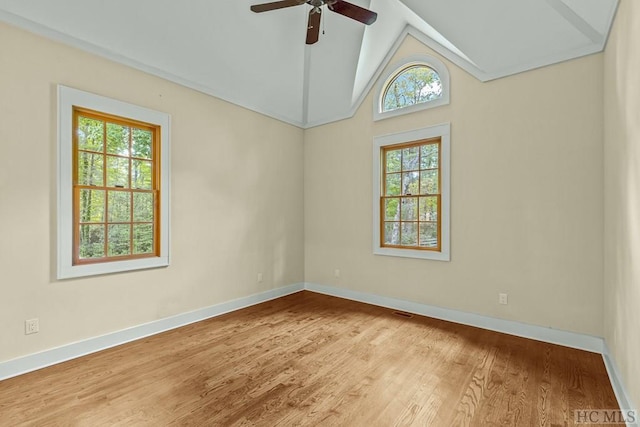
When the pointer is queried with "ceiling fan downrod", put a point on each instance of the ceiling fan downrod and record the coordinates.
(340, 7)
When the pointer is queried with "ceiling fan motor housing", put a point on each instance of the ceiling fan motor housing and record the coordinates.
(341, 7)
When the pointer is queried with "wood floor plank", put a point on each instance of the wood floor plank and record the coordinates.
(309, 359)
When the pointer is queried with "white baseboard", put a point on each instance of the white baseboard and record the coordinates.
(539, 333)
(32, 362)
(624, 400)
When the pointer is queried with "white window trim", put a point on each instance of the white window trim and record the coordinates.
(67, 99)
(444, 132)
(392, 71)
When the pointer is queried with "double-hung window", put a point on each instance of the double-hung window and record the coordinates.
(410, 203)
(116, 188)
(113, 185)
(412, 194)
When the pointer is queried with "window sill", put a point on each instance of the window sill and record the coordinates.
(70, 272)
(412, 253)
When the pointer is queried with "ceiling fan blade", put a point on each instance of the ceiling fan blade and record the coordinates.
(264, 7)
(313, 27)
(353, 11)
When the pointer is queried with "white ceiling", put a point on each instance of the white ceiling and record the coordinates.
(261, 62)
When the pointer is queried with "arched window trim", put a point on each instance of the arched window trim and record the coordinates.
(391, 72)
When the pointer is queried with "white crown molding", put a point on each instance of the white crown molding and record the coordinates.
(68, 40)
(408, 30)
(303, 121)
(577, 21)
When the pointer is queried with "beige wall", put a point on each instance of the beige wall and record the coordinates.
(527, 201)
(236, 205)
(622, 195)
(527, 197)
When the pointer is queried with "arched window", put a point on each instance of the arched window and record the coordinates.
(412, 85)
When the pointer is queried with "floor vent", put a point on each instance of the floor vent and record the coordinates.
(403, 314)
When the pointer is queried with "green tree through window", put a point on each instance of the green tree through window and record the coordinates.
(411, 199)
(412, 85)
(116, 188)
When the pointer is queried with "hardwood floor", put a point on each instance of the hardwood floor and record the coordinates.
(310, 359)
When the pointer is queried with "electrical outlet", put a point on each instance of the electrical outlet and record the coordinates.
(336, 273)
(503, 299)
(31, 326)
(259, 277)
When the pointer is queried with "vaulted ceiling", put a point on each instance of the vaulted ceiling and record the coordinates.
(261, 61)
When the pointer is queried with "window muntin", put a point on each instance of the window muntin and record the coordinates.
(414, 84)
(440, 134)
(143, 119)
(410, 203)
(116, 188)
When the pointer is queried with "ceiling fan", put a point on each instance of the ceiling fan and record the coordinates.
(342, 7)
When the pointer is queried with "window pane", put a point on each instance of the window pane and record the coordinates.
(393, 184)
(90, 168)
(409, 234)
(117, 139)
(413, 85)
(391, 233)
(142, 238)
(92, 206)
(394, 160)
(117, 172)
(141, 144)
(119, 206)
(119, 239)
(410, 158)
(410, 183)
(429, 235)
(141, 174)
(90, 134)
(91, 241)
(392, 209)
(428, 209)
(409, 209)
(142, 207)
(429, 182)
(107, 153)
(429, 156)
